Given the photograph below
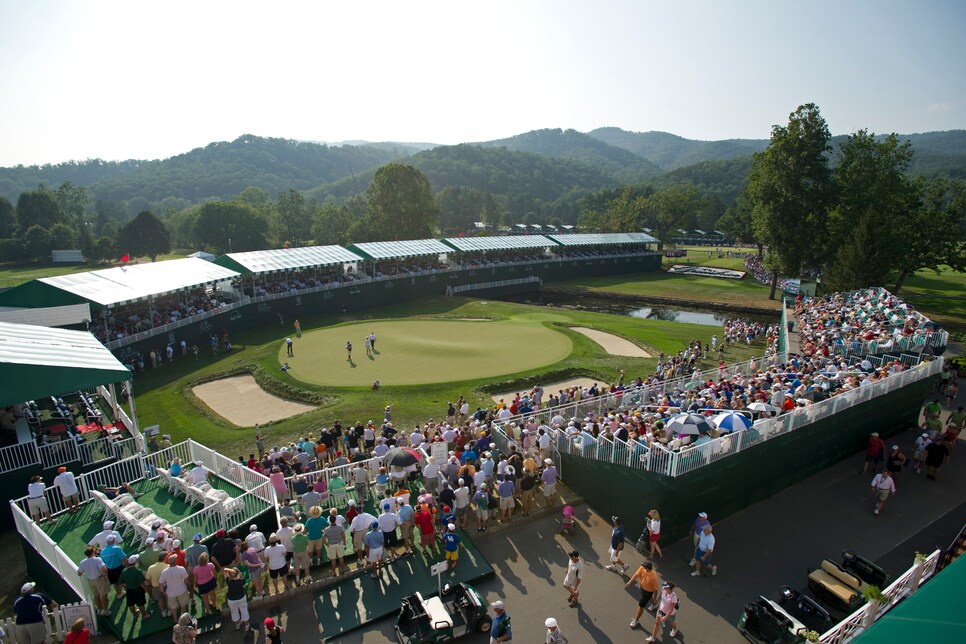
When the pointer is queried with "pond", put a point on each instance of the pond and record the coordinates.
(686, 315)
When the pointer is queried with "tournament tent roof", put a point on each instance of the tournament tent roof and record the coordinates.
(593, 239)
(257, 262)
(401, 249)
(38, 361)
(509, 242)
(119, 285)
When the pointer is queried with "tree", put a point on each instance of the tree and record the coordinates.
(868, 223)
(255, 197)
(107, 212)
(401, 204)
(293, 217)
(63, 237)
(145, 235)
(791, 189)
(8, 219)
(105, 250)
(225, 226)
(934, 233)
(737, 221)
(36, 243)
(73, 201)
(38, 208)
(674, 207)
(331, 224)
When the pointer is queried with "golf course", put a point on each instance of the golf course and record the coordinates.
(428, 352)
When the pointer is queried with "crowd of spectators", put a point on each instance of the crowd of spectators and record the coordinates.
(137, 317)
(867, 321)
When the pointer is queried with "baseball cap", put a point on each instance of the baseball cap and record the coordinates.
(197, 536)
(108, 525)
(177, 543)
(451, 526)
(220, 533)
(27, 588)
(550, 623)
(498, 605)
(374, 524)
(703, 515)
(269, 622)
(133, 559)
(548, 461)
(252, 528)
(110, 538)
(352, 502)
(149, 541)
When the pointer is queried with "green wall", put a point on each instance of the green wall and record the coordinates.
(738, 481)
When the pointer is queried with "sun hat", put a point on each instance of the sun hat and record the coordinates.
(315, 512)
(298, 527)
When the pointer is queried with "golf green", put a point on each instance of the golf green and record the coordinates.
(416, 352)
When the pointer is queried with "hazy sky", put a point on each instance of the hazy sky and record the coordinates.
(137, 79)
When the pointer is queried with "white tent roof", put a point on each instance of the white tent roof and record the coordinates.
(405, 248)
(123, 284)
(508, 242)
(47, 316)
(286, 259)
(589, 239)
(203, 255)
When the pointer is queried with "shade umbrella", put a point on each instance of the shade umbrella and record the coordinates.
(691, 424)
(402, 457)
(760, 406)
(730, 421)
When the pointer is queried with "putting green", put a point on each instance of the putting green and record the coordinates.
(417, 352)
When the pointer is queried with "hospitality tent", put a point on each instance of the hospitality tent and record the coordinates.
(508, 242)
(38, 361)
(602, 239)
(257, 262)
(208, 257)
(116, 286)
(400, 249)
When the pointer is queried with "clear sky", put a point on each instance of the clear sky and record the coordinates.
(148, 79)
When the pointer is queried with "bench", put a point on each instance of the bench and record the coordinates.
(831, 580)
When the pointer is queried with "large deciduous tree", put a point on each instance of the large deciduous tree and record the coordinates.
(868, 224)
(295, 224)
(8, 219)
(400, 204)
(792, 190)
(73, 201)
(145, 235)
(38, 208)
(677, 206)
(224, 226)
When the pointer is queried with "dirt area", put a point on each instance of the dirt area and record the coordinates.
(612, 344)
(550, 388)
(242, 402)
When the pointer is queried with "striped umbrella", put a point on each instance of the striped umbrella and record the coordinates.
(691, 424)
(730, 421)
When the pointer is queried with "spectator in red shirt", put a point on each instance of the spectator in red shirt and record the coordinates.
(874, 452)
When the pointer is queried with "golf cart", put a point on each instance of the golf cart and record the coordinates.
(431, 620)
(765, 621)
(805, 609)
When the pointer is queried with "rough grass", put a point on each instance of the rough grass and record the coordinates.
(163, 395)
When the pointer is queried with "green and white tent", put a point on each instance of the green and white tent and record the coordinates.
(38, 361)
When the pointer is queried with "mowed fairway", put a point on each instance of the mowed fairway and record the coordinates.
(415, 352)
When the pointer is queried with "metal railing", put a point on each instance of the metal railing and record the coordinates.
(658, 458)
(483, 285)
(910, 581)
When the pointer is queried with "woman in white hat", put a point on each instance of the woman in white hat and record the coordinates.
(554, 635)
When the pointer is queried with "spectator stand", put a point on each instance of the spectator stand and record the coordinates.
(83, 422)
(246, 497)
(284, 271)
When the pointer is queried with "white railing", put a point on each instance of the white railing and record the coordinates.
(49, 550)
(247, 479)
(57, 621)
(850, 627)
(660, 459)
(498, 284)
(113, 475)
(345, 471)
(15, 457)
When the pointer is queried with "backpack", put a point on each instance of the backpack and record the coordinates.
(484, 502)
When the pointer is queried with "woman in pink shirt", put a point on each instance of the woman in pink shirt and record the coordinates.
(204, 574)
(667, 608)
(278, 482)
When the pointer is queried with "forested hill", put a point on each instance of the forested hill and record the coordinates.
(669, 151)
(220, 170)
(624, 165)
(494, 170)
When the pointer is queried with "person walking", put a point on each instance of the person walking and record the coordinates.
(500, 630)
(30, 626)
(554, 635)
(368, 347)
(883, 486)
(574, 577)
(666, 611)
(874, 451)
(135, 588)
(372, 340)
(96, 572)
(919, 453)
(649, 583)
(549, 480)
(936, 453)
(616, 546)
(895, 460)
(654, 533)
(374, 541)
(298, 329)
(698, 529)
(273, 632)
(348, 350)
(185, 630)
(703, 553)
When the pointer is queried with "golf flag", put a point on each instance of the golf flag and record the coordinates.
(125, 257)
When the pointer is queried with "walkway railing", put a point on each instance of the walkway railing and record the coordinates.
(850, 628)
(660, 459)
(463, 288)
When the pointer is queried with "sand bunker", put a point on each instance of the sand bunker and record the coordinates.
(612, 344)
(551, 388)
(242, 402)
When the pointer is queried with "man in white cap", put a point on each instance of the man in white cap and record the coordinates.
(100, 539)
(554, 635)
(29, 610)
(388, 522)
(919, 453)
(255, 539)
(358, 528)
(451, 545)
(155, 527)
(500, 628)
(135, 588)
(199, 473)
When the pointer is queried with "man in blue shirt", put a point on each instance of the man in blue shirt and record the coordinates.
(29, 611)
(113, 558)
(500, 629)
(451, 544)
(374, 541)
(505, 489)
(616, 545)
